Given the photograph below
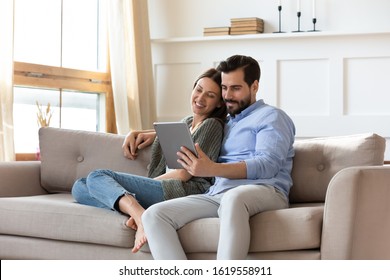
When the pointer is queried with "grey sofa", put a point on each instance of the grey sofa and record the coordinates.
(340, 204)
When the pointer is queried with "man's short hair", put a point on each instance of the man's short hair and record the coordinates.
(249, 65)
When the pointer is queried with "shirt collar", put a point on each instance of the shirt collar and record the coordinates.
(247, 111)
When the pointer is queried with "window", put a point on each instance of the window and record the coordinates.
(61, 58)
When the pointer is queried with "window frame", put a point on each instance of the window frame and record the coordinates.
(61, 78)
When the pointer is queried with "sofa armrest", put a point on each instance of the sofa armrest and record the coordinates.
(357, 214)
(19, 178)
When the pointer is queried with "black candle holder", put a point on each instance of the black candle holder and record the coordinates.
(280, 20)
(314, 26)
(299, 22)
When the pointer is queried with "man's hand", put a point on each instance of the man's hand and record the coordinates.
(201, 166)
(137, 140)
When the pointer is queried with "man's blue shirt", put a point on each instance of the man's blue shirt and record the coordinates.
(262, 136)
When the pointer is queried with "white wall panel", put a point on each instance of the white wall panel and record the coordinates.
(367, 85)
(304, 87)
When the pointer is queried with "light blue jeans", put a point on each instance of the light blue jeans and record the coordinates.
(103, 188)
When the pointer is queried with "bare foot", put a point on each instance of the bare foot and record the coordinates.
(129, 205)
(131, 223)
(140, 239)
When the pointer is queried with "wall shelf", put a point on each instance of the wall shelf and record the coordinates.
(266, 36)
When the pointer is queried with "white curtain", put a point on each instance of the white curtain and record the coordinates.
(131, 64)
(7, 152)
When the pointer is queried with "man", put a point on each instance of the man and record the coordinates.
(253, 172)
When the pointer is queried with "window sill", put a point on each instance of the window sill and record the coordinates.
(26, 157)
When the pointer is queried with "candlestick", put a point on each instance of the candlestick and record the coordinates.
(299, 22)
(314, 20)
(280, 18)
(314, 26)
(299, 15)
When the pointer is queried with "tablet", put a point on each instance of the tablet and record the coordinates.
(172, 136)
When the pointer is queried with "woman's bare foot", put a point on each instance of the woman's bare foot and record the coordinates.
(140, 239)
(129, 205)
(131, 223)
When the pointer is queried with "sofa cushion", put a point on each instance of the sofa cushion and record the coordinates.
(317, 160)
(67, 155)
(58, 217)
(279, 230)
(287, 229)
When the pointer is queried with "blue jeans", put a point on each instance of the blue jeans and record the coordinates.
(102, 188)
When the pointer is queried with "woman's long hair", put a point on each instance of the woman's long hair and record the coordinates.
(215, 75)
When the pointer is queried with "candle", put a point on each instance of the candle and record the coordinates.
(314, 8)
(298, 5)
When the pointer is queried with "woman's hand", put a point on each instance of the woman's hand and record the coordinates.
(137, 140)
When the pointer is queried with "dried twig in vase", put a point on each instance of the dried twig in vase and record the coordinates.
(44, 117)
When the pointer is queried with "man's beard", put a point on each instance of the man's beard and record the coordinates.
(242, 105)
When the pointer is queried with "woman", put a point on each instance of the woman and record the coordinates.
(131, 194)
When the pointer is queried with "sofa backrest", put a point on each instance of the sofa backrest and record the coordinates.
(317, 160)
(67, 155)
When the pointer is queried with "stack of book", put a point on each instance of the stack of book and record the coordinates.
(251, 25)
(214, 31)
